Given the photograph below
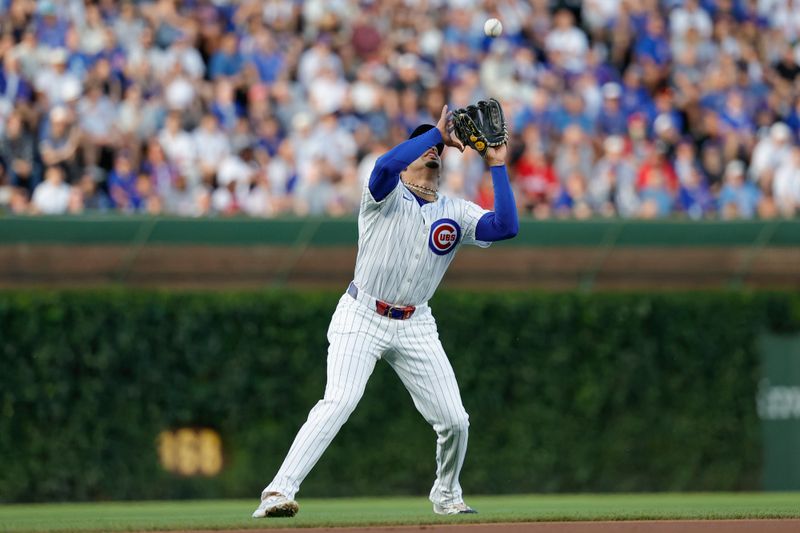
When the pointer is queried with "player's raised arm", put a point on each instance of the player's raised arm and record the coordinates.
(502, 223)
(386, 174)
(483, 128)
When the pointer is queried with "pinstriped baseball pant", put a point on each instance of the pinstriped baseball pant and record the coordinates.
(358, 338)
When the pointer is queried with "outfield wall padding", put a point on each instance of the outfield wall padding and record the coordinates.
(136, 230)
(92, 251)
(566, 392)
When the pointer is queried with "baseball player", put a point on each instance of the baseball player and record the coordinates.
(407, 236)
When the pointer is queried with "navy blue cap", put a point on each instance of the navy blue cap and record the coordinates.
(422, 128)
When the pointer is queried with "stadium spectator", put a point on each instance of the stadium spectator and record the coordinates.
(179, 146)
(131, 123)
(689, 16)
(316, 58)
(79, 63)
(226, 61)
(180, 92)
(161, 172)
(258, 198)
(694, 196)
(283, 178)
(786, 186)
(265, 55)
(51, 197)
(234, 177)
(612, 119)
(60, 143)
(18, 201)
(97, 118)
(128, 26)
(739, 197)
(92, 32)
(55, 82)
(598, 15)
(148, 200)
(612, 187)
(566, 44)
(536, 180)
(656, 159)
(770, 153)
(183, 199)
(17, 154)
(122, 185)
(16, 92)
(573, 154)
(29, 53)
(572, 112)
(667, 92)
(712, 164)
(327, 91)
(224, 105)
(655, 194)
(572, 199)
(90, 197)
(685, 160)
(211, 146)
(652, 45)
(51, 29)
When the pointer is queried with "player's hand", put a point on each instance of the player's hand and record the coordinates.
(445, 127)
(496, 155)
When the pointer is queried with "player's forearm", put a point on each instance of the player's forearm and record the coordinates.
(502, 223)
(387, 169)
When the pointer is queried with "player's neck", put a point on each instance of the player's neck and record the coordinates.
(423, 183)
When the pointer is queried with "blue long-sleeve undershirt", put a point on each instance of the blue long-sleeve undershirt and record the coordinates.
(502, 223)
(386, 173)
(498, 225)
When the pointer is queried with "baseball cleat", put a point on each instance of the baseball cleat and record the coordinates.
(454, 508)
(274, 504)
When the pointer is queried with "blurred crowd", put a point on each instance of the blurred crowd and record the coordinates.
(631, 108)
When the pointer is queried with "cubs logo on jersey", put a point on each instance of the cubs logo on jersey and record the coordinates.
(445, 234)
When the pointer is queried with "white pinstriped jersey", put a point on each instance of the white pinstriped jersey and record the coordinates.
(404, 248)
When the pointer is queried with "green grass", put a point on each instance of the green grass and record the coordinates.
(229, 514)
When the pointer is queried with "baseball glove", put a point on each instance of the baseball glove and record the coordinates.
(481, 126)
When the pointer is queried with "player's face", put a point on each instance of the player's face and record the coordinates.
(431, 158)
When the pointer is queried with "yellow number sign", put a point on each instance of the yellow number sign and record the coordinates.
(190, 451)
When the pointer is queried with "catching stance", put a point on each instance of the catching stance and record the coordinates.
(407, 237)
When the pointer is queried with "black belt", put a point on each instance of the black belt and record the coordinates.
(396, 312)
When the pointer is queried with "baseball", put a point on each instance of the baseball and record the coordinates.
(493, 28)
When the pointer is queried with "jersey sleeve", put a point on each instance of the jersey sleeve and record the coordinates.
(369, 203)
(471, 214)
